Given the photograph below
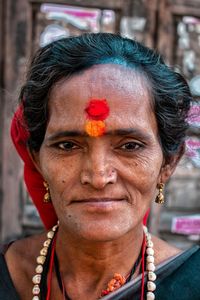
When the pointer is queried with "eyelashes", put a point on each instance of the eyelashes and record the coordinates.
(67, 146)
(131, 146)
(70, 146)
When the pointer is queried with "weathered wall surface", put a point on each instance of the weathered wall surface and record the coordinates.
(159, 24)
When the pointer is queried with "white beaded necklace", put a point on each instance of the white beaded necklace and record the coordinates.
(150, 266)
(151, 276)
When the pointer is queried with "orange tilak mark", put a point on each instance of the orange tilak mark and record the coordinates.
(95, 128)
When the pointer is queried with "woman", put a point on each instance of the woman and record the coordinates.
(102, 123)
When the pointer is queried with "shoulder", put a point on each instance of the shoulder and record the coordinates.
(192, 260)
(180, 277)
(24, 252)
(7, 289)
(163, 250)
(20, 259)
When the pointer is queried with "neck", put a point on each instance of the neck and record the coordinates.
(97, 260)
(87, 265)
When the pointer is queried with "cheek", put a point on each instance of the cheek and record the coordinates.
(60, 173)
(142, 175)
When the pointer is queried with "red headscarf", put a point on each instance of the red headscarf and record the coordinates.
(33, 179)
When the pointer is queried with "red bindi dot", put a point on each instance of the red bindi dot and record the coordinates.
(97, 109)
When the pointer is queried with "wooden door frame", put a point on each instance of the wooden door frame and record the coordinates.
(2, 86)
(168, 10)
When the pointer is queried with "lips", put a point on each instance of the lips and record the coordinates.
(99, 200)
(99, 205)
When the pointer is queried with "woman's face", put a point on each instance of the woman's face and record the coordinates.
(102, 186)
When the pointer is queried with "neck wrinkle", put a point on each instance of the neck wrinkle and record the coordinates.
(96, 260)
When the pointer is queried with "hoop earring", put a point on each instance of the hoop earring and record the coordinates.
(47, 196)
(160, 197)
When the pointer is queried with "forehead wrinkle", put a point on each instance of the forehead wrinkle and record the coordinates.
(82, 93)
(64, 90)
(109, 83)
(109, 80)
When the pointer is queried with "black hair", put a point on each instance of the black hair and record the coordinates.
(65, 57)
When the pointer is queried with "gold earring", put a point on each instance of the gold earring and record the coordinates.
(160, 197)
(47, 196)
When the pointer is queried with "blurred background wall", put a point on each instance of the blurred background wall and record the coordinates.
(170, 26)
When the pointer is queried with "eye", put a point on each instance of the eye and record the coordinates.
(67, 146)
(131, 146)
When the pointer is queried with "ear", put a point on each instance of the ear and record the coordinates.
(34, 156)
(170, 164)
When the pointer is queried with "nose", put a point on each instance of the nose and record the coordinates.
(97, 170)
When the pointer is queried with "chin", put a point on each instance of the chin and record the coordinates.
(100, 227)
(101, 237)
(103, 231)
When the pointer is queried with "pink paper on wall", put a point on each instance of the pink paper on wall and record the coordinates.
(187, 225)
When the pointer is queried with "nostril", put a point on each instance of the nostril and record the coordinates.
(85, 178)
(99, 178)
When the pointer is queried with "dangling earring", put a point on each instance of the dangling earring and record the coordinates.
(160, 196)
(47, 196)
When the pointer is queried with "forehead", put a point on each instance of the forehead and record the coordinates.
(127, 92)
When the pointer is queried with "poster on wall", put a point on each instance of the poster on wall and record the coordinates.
(187, 225)
(63, 20)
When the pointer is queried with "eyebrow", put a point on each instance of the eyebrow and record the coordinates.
(116, 132)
